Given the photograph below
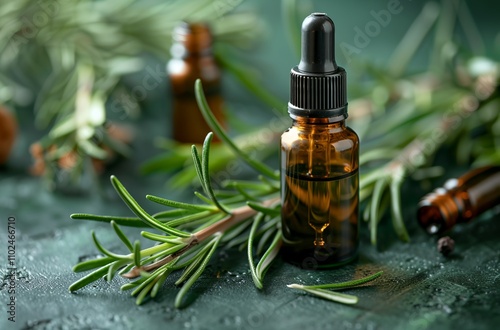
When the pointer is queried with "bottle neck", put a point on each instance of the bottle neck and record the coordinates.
(338, 121)
(438, 211)
(192, 40)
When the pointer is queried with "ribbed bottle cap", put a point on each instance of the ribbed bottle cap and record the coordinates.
(318, 87)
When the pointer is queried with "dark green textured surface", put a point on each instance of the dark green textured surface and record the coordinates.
(420, 289)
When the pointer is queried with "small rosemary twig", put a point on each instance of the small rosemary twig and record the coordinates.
(320, 290)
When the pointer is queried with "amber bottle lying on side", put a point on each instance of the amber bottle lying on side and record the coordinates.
(460, 200)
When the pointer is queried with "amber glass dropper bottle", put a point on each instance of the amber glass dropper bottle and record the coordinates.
(192, 58)
(460, 200)
(319, 157)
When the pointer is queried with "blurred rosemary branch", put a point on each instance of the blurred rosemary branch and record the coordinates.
(70, 56)
(411, 117)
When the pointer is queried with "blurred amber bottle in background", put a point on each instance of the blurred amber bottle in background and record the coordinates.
(460, 200)
(192, 58)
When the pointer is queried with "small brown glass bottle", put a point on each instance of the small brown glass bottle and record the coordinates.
(460, 200)
(319, 157)
(192, 58)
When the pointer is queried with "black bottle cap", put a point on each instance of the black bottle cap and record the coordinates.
(318, 85)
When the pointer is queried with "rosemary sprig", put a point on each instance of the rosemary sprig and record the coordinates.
(204, 227)
(320, 290)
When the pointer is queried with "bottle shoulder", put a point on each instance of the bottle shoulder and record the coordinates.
(194, 67)
(341, 136)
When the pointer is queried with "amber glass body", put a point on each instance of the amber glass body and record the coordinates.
(319, 190)
(460, 200)
(192, 58)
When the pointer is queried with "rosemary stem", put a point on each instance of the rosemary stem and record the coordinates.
(235, 217)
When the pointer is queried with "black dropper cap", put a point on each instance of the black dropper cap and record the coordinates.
(318, 85)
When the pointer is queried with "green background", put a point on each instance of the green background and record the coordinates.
(420, 289)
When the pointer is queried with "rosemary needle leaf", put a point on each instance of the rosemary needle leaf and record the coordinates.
(126, 269)
(342, 285)
(192, 266)
(332, 295)
(269, 256)
(92, 264)
(147, 278)
(397, 218)
(271, 183)
(263, 240)
(197, 166)
(216, 127)
(139, 211)
(144, 284)
(203, 198)
(164, 253)
(92, 277)
(244, 194)
(266, 210)
(205, 152)
(113, 268)
(122, 236)
(145, 291)
(131, 285)
(370, 178)
(377, 154)
(160, 238)
(256, 279)
(106, 252)
(196, 260)
(124, 221)
(366, 212)
(179, 205)
(190, 218)
(374, 207)
(236, 230)
(197, 274)
(137, 253)
(159, 282)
